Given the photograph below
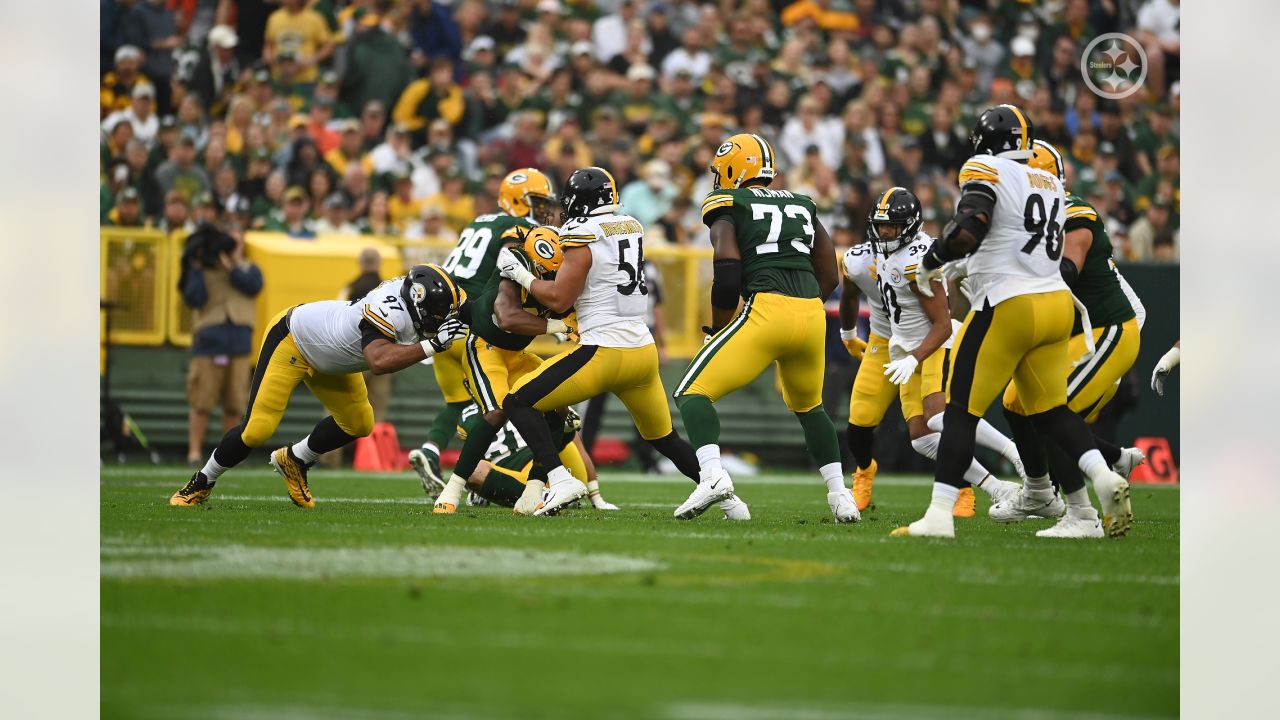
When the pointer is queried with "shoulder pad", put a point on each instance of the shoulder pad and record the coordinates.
(579, 231)
(717, 200)
(979, 169)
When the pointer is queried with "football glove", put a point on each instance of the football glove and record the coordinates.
(511, 268)
(925, 277)
(1167, 363)
(854, 344)
(900, 371)
(449, 330)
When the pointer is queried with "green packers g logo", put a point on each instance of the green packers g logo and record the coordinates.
(544, 249)
(724, 149)
(519, 178)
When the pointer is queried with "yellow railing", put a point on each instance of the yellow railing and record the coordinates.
(140, 270)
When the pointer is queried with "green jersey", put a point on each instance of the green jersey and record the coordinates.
(1097, 285)
(485, 326)
(774, 229)
(472, 262)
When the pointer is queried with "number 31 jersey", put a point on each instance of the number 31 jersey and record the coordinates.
(611, 309)
(472, 262)
(1022, 250)
(774, 229)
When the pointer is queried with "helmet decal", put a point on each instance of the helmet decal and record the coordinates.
(544, 249)
(725, 148)
(518, 178)
(417, 292)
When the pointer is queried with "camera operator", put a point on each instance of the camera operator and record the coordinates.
(219, 284)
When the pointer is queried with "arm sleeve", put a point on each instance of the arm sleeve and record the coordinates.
(370, 332)
(406, 110)
(247, 280)
(194, 293)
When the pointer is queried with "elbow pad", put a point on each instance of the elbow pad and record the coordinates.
(1069, 270)
(726, 283)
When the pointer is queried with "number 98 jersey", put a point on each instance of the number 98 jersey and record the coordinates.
(472, 262)
(1020, 254)
(775, 230)
(615, 299)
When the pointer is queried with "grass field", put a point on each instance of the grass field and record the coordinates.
(370, 607)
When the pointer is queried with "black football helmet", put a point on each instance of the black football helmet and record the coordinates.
(588, 191)
(431, 297)
(897, 207)
(1003, 131)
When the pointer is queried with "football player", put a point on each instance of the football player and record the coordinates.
(918, 348)
(1116, 317)
(771, 250)
(602, 277)
(527, 200)
(503, 320)
(1008, 223)
(326, 345)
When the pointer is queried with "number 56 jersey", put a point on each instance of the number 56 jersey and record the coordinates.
(1021, 252)
(612, 307)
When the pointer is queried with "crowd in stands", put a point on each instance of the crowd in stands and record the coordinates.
(400, 117)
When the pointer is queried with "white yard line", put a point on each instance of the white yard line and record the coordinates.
(696, 710)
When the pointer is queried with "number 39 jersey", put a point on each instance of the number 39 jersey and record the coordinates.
(1022, 250)
(329, 332)
(895, 273)
(860, 268)
(611, 309)
(472, 262)
(774, 229)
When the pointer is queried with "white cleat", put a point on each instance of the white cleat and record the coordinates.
(1027, 504)
(559, 496)
(1113, 495)
(735, 509)
(474, 500)
(1130, 458)
(428, 474)
(603, 504)
(1083, 523)
(935, 523)
(1000, 490)
(530, 498)
(706, 494)
(843, 507)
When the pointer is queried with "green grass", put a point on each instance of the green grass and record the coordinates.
(371, 607)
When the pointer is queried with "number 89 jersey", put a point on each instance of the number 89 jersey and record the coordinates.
(774, 229)
(612, 307)
(1020, 254)
(471, 263)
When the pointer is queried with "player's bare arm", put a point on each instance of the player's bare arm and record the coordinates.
(939, 313)
(1073, 253)
(824, 260)
(385, 357)
(964, 232)
(960, 304)
(560, 294)
(726, 285)
(511, 316)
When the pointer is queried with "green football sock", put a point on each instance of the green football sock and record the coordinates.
(446, 424)
(820, 436)
(480, 435)
(701, 421)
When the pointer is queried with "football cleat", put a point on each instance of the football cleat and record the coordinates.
(1076, 523)
(1113, 495)
(444, 508)
(1019, 468)
(862, 481)
(474, 500)
(843, 507)
(295, 477)
(529, 499)
(1130, 458)
(935, 523)
(559, 496)
(427, 465)
(196, 491)
(706, 494)
(735, 509)
(999, 490)
(1027, 504)
(966, 504)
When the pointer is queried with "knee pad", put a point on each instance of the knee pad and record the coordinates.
(257, 431)
(358, 423)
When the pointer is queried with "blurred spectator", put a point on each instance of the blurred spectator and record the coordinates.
(300, 33)
(180, 171)
(377, 68)
(373, 120)
(128, 210)
(649, 197)
(293, 220)
(176, 219)
(428, 98)
(402, 207)
(609, 34)
(350, 150)
(1152, 230)
(433, 30)
(152, 26)
(336, 218)
(377, 221)
(690, 57)
(219, 283)
(140, 114)
(808, 128)
(218, 70)
(427, 236)
(119, 82)
(459, 208)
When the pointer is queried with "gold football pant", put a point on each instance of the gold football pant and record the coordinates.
(492, 371)
(1093, 383)
(770, 328)
(280, 368)
(449, 373)
(1025, 339)
(588, 370)
(930, 377)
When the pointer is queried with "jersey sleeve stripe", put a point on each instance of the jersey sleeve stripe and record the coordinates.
(379, 323)
(716, 198)
(975, 165)
(716, 206)
(969, 175)
(581, 236)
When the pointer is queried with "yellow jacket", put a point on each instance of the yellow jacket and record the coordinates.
(409, 110)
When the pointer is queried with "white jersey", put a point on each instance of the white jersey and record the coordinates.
(895, 274)
(613, 304)
(1021, 252)
(329, 334)
(860, 269)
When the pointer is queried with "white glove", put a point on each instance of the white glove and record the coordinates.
(901, 370)
(450, 330)
(510, 267)
(925, 278)
(557, 327)
(1166, 365)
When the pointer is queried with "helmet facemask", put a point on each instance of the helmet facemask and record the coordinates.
(544, 209)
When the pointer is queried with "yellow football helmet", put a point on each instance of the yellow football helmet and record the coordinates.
(542, 246)
(742, 157)
(1047, 158)
(528, 193)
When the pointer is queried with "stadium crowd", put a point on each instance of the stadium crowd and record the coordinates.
(400, 117)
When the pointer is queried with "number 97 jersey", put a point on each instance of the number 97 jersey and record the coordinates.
(1020, 254)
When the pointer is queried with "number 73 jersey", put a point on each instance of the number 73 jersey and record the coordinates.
(1020, 254)
(774, 229)
(472, 262)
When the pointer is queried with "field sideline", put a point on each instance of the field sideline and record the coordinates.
(370, 607)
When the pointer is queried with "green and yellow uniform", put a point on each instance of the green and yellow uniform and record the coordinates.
(1093, 383)
(782, 320)
(495, 358)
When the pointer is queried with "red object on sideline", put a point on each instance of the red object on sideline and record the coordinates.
(1159, 468)
(380, 451)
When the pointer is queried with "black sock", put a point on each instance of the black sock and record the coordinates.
(1063, 470)
(955, 450)
(231, 450)
(1031, 445)
(1110, 452)
(532, 426)
(861, 442)
(679, 452)
(1065, 428)
(326, 436)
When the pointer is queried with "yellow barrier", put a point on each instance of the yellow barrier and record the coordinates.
(134, 277)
